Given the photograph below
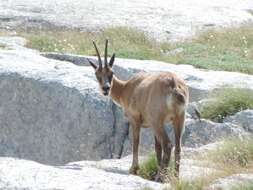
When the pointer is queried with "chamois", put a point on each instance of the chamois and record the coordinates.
(148, 100)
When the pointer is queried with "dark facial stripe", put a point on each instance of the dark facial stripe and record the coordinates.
(110, 78)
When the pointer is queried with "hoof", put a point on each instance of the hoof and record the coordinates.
(158, 178)
(133, 170)
(161, 175)
(176, 175)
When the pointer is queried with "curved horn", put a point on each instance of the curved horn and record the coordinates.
(112, 60)
(106, 44)
(98, 54)
(92, 64)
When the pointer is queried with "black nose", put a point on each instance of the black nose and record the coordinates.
(106, 88)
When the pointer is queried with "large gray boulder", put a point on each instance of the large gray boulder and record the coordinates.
(243, 118)
(52, 111)
(202, 132)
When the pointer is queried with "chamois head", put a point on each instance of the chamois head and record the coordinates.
(104, 73)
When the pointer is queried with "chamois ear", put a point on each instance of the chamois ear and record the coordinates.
(92, 64)
(112, 60)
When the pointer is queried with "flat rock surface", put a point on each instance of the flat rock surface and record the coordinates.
(23, 174)
(94, 175)
(162, 19)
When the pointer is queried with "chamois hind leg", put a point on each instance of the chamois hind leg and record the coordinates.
(136, 139)
(158, 150)
(178, 130)
(166, 145)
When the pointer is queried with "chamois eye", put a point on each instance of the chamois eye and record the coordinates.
(99, 78)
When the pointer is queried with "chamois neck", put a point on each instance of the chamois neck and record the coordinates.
(117, 89)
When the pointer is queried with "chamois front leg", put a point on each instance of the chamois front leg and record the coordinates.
(178, 129)
(136, 139)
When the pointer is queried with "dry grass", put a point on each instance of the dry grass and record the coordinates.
(234, 155)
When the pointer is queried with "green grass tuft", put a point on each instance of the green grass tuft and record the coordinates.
(189, 185)
(227, 101)
(148, 168)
